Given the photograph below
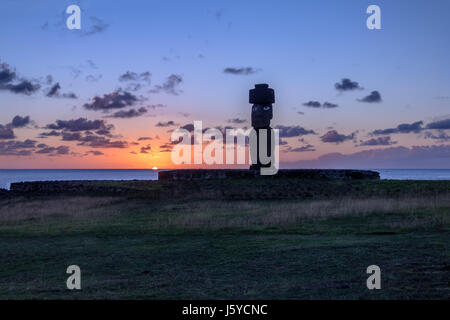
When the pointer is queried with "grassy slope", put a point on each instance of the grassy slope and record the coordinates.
(316, 245)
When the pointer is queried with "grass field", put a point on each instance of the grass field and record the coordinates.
(231, 240)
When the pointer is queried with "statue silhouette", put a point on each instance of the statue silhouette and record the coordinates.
(262, 98)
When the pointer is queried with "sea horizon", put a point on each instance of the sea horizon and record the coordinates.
(8, 176)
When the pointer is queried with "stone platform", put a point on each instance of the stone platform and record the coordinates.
(320, 174)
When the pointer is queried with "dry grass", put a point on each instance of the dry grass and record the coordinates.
(21, 209)
(218, 215)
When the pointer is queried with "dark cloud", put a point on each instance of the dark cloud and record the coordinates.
(101, 142)
(80, 124)
(6, 74)
(61, 150)
(94, 153)
(54, 92)
(380, 141)
(414, 127)
(9, 81)
(145, 138)
(333, 136)
(240, 71)
(23, 87)
(71, 136)
(6, 132)
(133, 76)
(312, 104)
(440, 136)
(236, 121)
(52, 133)
(306, 148)
(293, 131)
(19, 122)
(441, 125)
(97, 25)
(132, 113)
(317, 104)
(347, 85)
(373, 97)
(169, 123)
(115, 100)
(167, 147)
(170, 86)
(17, 148)
(146, 149)
(329, 105)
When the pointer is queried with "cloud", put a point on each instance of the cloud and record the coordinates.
(293, 131)
(440, 136)
(132, 113)
(170, 86)
(416, 157)
(6, 132)
(329, 105)
(240, 71)
(145, 149)
(92, 78)
(17, 148)
(54, 92)
(166, 124)
(373, 97)
(52, 133)
(189, 127)
(53, 151)
(236, 121)
(317, 104)
(441, 125)
(145, 138)
(312, 104)
(133, 76)
(101, 142)
(94, 153)
(306, 148)
(347, 85)
(333, 136)
(9, 81)
(97, 26)
(165, 147)
(80, 124)
(20, 122)
(414, 127)
(115, 100)
(380, 141)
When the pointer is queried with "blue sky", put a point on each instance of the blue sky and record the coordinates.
(301, 48)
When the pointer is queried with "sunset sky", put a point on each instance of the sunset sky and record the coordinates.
(108, 95)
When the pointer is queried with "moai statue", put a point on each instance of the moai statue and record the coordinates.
(262, 98)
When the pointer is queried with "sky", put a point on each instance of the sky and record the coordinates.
(109, 94)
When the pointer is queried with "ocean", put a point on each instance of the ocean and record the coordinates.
(7, 176)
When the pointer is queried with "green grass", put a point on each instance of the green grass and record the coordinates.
(190, 246)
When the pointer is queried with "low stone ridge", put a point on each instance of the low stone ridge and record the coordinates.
(91, 187)
(332, 174)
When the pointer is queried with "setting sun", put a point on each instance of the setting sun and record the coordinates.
(155, 168)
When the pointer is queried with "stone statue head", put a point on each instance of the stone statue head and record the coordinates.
(262, 98)
(261, 115)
